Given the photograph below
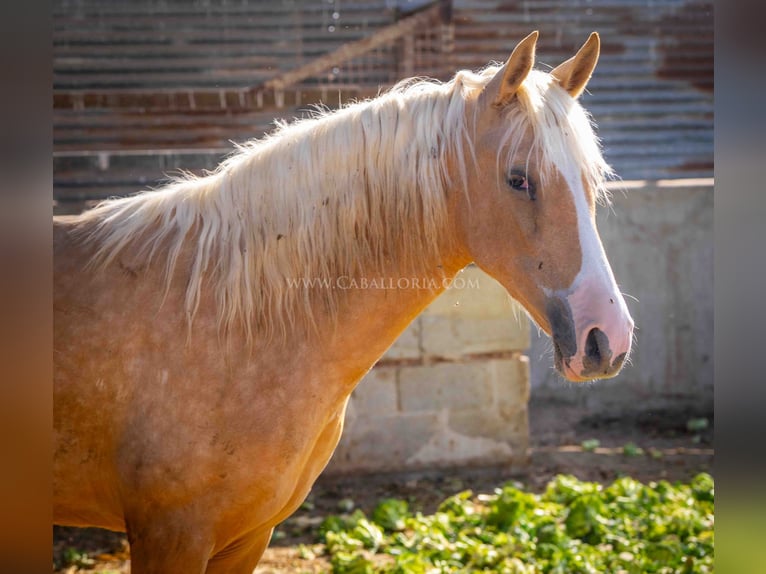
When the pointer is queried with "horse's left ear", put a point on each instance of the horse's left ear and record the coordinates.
(573, 75)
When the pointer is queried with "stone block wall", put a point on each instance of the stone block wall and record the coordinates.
(452, 390)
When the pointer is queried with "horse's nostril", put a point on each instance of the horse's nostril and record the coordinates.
(592, 350)
(597, 355)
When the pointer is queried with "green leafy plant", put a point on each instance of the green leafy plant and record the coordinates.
(697, 425)
(591, 444)
(630, 449)
(75, 557)
(573, 527)
(390, 514)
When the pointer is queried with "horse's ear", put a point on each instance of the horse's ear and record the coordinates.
(509, 78)
(573, 75)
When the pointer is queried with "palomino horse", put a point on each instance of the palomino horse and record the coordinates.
(199, 392)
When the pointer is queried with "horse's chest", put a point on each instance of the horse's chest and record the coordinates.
(314, 459)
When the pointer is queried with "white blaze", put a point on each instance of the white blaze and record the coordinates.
(594, 298)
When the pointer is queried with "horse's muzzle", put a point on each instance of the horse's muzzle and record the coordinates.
(590, 353)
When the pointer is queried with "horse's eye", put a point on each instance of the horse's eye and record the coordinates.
(520, 182)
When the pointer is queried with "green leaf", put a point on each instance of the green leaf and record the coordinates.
(368, 533)
(584, 519)
(458, 504)
(590, 444)
(631, 449)
(390, 514)
(349, 563)
(340, 523)
(509, 506)
(697, 425)
(703, 487)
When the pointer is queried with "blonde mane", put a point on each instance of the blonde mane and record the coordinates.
(330, 196)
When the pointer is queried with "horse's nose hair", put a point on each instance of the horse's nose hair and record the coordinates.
(597, 351)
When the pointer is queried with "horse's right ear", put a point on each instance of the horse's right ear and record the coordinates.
(506, 82)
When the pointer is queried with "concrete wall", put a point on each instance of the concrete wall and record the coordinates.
(452, 390)
(659, 240)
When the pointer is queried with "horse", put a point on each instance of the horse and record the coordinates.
(199, 390)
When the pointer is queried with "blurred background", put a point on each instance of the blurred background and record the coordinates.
(142, 89)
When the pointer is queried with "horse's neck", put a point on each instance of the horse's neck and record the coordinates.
(370, 319)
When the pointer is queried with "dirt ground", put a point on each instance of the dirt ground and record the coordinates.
(671, 451)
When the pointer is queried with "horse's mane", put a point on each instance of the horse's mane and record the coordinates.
(329, 196)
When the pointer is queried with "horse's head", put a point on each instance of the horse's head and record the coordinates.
(528, 215)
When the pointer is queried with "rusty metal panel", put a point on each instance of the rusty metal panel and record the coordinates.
(122, 44)
(118, 64)
(652, 92)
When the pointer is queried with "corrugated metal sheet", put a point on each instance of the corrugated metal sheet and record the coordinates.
(122, 44)
(651, 95)
(652, 92)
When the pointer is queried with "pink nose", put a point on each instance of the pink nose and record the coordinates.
(602, 350)
(586, 349)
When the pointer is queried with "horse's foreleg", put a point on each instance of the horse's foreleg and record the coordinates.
(167, 547)
(160, 555)
(241, 557)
